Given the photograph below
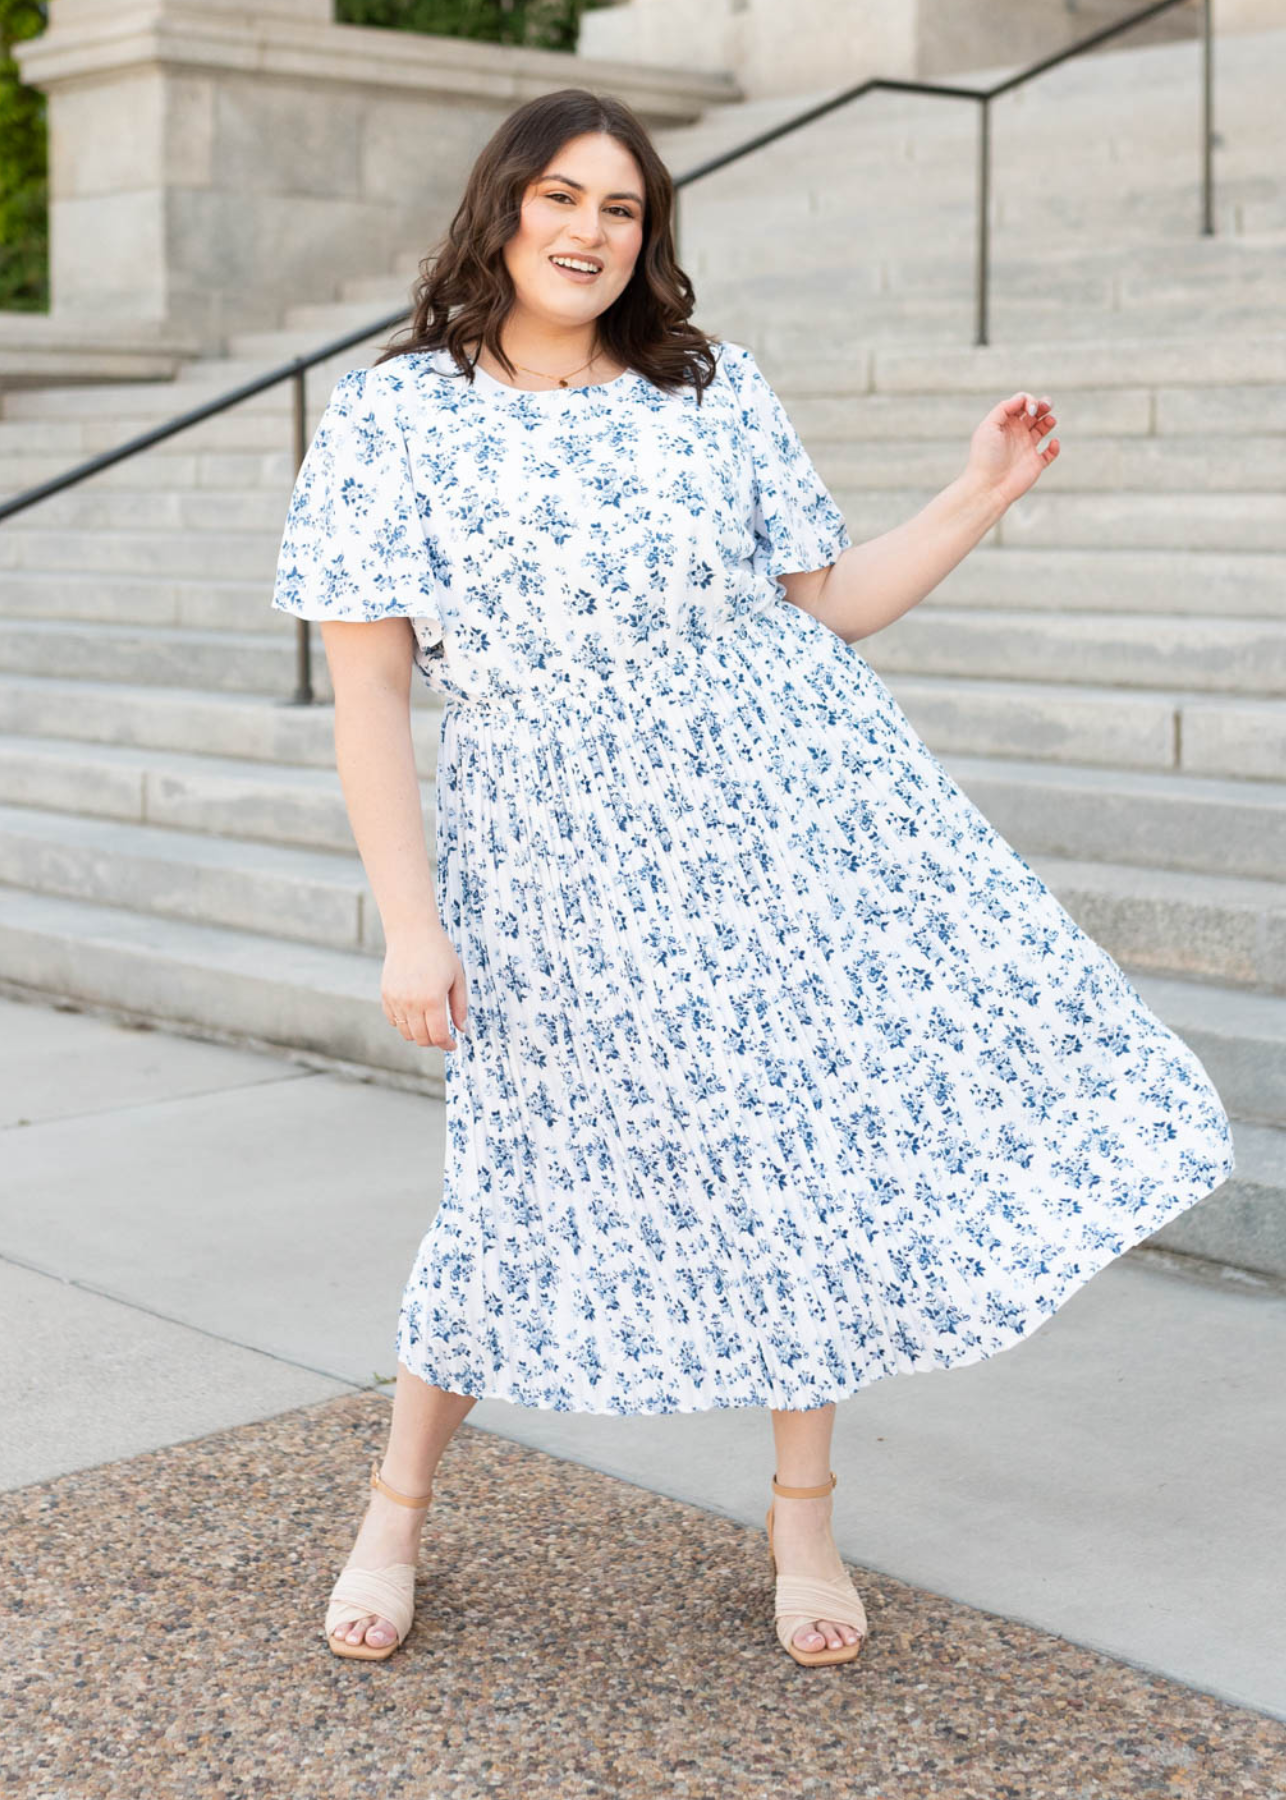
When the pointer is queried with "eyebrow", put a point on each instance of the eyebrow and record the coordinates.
(580, 186)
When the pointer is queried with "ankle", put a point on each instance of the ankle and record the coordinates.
(408, 1479)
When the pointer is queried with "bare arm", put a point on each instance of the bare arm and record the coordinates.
(870, 585)
(370, 666)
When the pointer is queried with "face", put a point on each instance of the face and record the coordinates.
(586, 204)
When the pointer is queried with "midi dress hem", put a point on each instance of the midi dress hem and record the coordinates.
(700, 1399)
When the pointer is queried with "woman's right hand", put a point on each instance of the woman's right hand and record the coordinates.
(423, 988)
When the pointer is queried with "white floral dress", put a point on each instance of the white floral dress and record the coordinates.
(783, 1071)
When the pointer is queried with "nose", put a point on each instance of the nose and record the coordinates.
(588, 228)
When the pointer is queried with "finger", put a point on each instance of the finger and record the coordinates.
(1021, 402)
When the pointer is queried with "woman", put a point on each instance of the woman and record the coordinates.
(772, 1068)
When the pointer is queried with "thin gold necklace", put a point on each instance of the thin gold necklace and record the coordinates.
(562, 380)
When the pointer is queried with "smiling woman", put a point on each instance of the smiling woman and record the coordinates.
(569, 195)
(772, 1069)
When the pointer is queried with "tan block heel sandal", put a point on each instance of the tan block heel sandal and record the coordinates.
(389, 1591)
(800, 1599)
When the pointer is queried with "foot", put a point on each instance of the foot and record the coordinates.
(389, 1533)
(803, 1545)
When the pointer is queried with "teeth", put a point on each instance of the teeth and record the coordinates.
(567, 262)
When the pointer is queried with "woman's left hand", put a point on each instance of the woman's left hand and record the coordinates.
(1006, 453)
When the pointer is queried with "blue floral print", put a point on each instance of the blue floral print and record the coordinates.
(782, 1071)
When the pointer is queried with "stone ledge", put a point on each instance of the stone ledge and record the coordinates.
(355, 55)
(42, 350)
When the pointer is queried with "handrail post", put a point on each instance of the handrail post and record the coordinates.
(303, 694)
(1207, 121)
(984, 209)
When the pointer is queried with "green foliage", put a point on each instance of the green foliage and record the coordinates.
(534, 24)
(24, 183)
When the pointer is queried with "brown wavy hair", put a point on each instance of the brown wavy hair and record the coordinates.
(464, 292)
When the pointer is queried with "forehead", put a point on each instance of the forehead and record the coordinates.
(590, 160)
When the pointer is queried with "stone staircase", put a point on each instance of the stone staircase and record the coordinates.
(1105, 675)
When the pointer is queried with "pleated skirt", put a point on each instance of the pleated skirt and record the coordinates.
(783, 1071)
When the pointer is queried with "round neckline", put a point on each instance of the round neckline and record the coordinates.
(587, 387)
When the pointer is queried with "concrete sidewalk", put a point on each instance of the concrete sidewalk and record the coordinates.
(196, 1239)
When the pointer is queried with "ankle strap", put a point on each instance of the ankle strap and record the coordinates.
(378, 1481)
(803, 1493)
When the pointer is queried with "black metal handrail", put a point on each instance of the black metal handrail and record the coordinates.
(296, 368)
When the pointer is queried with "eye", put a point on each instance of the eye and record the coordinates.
(624, 211)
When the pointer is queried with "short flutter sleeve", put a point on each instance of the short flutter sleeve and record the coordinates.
(797, 525)
(353, 546)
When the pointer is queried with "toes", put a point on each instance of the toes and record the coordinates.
(828, 1635)
(354, 1631)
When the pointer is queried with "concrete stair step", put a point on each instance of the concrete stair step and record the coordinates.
(328, 318)
(720, 208)
(1087, 462)
(1223, 928)
(203, 603)
(1243, 1222)
(161, 508)
(282, 890)
(1134, 650)
(138, 404)
(1212, 825)
(899, 260)
(1115, 728)
(189, 721)
(1188, 361)
(160, 470)
(26, 544)
(317, 1002)
(302, 338)
(234, 431)
(1048, 519)
(796, 330)
(1208, 583)
(159, 656)
(219, 660)
(1239, 1036)
(220, 796)
(1166, 412)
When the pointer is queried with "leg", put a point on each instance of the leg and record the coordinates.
(424, 1419)
(802, 1528)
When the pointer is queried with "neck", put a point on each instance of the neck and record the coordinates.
(542, 355)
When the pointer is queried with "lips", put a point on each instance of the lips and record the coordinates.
(598, 267)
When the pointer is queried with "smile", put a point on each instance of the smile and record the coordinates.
(576, 268)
